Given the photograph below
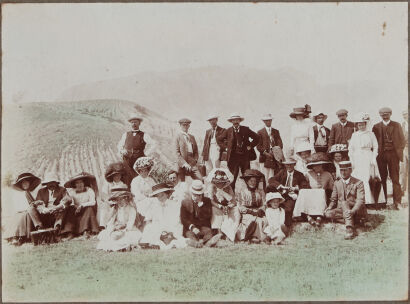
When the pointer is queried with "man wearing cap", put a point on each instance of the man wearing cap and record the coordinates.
(196, 214)
(240, 151)
(405, 165)
(391, 142)
(186, 152)
(347, 200)
(342, 131)
(132, 146)
(288, 182)
(211, 150)
(321, 133)
(270, 147)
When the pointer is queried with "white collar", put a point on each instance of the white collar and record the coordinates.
(200, 204)
(290, 173)
(268, 129)
(386, 123)
(184, 133)
(343, 124)
(319, 126)
(346, 181)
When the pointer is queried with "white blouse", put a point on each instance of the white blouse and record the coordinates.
(363, 140)
(85, 199)
(302, 131)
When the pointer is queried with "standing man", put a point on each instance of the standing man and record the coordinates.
(391, 142)
(132, 146)
(186, 152)
(404, 170)
(270, 148)
(321, 133)
(342, 131)
(240, 151)
(211, 150)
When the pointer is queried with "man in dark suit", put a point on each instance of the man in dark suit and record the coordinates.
(269, 140)
(211, 150)
(288, 182)
(321, 133)
(391, 142)
(240, 151)
(342, 131)
(196, 214)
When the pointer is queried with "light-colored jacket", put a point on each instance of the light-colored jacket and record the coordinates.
(352, 193)
(182, 150)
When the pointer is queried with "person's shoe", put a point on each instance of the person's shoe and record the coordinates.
(311, 221)
(393, 207)
(267, 241)
(213, 240)
(349, 233)
(319, 220)
(86, 235)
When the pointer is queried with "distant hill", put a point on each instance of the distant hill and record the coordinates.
(69, 137)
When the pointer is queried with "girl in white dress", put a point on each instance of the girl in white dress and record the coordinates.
(276, 229)
(302, 129)
(363, 150)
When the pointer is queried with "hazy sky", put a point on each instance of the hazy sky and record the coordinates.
(49, 47)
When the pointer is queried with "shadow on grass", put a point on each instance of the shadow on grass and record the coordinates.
(375, 220)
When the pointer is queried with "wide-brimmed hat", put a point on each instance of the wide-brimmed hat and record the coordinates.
(50, 178)
(220, 176)
(303, 146)
(385, 110)
(112, 169)
(347, 164)
(319, 114)
(159, 188)
(197, 187)
(118, 192)
(305, 111)
(212, 116)
(31, 178)
(135, 117)
(235, 116)
(338, 148)
(87, 178)
(267, 117)
(252, 173)
(272, 195)
(143, 163)
(361, 117)
(319, 158)
(289, 161)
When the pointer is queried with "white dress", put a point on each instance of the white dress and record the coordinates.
(363, 148)
(275, 219)
(103, 211)
(181, 192)
(301, 132)
(142, 188)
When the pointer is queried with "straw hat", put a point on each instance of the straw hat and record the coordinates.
(267, 117)
(212, 116)
(385, 110)
(345, 164)
(305, 111)
(235, 116)
(197, 187)
(142, 163)
(34, 181)
(318, 114)
(184, 121)
(87, 178)
(289, 161)
(120, 191)
(135, 117)
(342, 112)
(319, 158)
(50, 178)
(272, 195)
(159, 188)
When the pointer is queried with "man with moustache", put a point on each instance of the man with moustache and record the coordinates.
(211, 150)
(342, 131)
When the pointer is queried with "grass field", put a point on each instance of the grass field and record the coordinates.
(311, 265)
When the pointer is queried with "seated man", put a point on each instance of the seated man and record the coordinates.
(347, 200)
(288, 182)
(196, 213)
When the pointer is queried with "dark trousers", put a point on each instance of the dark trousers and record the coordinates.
(389, 164)
(205, 233)
(235, 163)
(288, 206)
(130, 173)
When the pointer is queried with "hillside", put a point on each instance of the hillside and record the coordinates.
(70, 137)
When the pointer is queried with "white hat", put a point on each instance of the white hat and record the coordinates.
(212, 116)
(272, 195)
(135, 116)
(235, 116)
(197, 187)
(267, 117)
(49, 178)
(361, 117)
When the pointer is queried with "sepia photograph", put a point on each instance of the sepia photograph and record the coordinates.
(193, 151)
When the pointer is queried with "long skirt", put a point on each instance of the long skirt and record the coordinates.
(17, 225)
(310, 202)
(87, 220)
(104, 213)
(228, 223)
(364, 170)
(246, 221)
(117, 240)
(152, 234)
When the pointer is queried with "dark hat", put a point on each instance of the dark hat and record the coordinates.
(385, 110)
(184, 120)
(87, 178)
(305, 111)
(120, 191)
(319, 158)
(161, 187)
(345, 165)
(252, 173)
(34, 181)
(113, 169)
(342, 112)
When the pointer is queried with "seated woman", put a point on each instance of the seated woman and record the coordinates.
(83, 190)
(164, 228)
(337, 154)
(225, 213)
(121, 233)
(114, 176)
(141, 185)
(276, 229)
(25, 216)
(312, 202)
(181, 189)
(302, 154)
(251, 205)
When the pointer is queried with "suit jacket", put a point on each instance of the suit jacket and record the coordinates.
(43, 194)
(280, 179)
(227, 138)
(182, 149)
(207, 141)
(264, 141)
(336, 137)
(193, 216)
(396, 134)
(352, 193)
(316, 133)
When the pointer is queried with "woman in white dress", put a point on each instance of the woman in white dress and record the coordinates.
(121, 233)
(363, 150)
(302, 130)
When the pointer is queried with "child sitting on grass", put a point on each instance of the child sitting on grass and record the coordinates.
(276, 230)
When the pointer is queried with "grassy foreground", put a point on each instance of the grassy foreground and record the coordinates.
(311, 265)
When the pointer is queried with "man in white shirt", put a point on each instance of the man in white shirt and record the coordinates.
(211, 150)
(320, 132)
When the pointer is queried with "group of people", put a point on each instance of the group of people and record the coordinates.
(333, 174)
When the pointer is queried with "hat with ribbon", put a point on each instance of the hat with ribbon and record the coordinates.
(319, 114)
(159, 188)
(197, 187)
(274, 195)
(144, 162)
(305, 111)
(87, 178)
(267, 117)
(50, 178)
(235, 116)
(135, 116)
(31, 178)
(347, 164)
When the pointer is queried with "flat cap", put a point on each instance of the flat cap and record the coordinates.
(184, 120)
(385, 110)
(342, 112)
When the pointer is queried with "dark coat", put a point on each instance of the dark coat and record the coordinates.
(280, 179)
(227, 138)
(336, 136)
(316, 133)
(196, 216)
(43, 195)
(264, 142)
(207, 141)
(396, 134)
